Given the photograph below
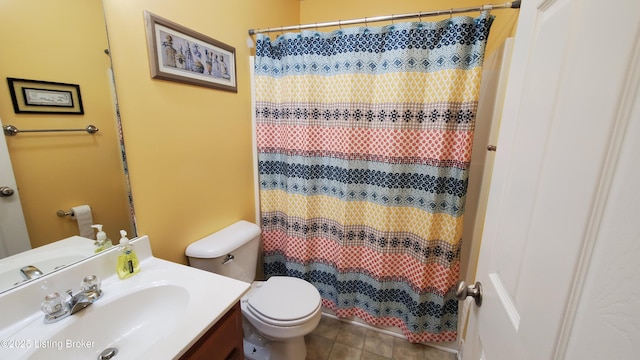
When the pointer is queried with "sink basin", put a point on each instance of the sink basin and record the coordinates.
(132, 324)
(46, 258)
(158, 313)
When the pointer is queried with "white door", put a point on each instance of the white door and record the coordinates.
(13, 230)
(565, 190)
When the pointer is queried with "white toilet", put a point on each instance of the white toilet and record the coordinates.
(277, 313)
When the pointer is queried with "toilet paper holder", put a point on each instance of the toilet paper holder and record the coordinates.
(63, 213)
(81, 214)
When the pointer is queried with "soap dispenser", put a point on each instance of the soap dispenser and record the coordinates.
(102, 242)
(128, 264)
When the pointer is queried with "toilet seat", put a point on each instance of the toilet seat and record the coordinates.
(284, 301)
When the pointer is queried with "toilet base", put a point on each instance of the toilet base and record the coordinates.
(292, 349)
(256, 352)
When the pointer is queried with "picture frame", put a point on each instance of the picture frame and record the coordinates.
(177, 53)
(44, 97)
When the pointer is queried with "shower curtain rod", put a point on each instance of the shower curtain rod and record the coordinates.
(507, 5)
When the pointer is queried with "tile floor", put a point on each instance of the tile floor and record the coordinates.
(338, 340)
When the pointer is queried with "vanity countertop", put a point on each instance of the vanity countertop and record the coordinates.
(158, 313)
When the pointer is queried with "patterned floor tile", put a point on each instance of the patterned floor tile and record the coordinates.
(334, 339)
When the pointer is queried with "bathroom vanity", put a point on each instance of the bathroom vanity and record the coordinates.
(166, 311)
(222, 342)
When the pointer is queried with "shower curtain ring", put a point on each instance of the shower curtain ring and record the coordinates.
(340, 24)
(450, 13)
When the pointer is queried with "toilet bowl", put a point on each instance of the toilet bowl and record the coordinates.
(277, 313)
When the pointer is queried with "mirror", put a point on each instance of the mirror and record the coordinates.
(66, 42)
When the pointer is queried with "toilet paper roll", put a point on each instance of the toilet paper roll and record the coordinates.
(82, 214)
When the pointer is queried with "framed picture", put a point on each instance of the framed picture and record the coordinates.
(35, 96)
(179, 54)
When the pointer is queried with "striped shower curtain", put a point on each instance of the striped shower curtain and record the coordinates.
(364, 140)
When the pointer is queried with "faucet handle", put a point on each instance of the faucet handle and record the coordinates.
(90, 283)
(54, 305)
(90, 286)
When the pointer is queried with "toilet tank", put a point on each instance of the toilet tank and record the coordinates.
(232, 251)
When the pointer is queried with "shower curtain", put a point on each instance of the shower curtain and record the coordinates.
(364, 139)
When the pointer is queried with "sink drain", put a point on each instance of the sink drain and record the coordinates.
(107, 354)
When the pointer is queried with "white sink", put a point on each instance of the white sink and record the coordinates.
(131, 323)
(46, 258)
(158, 313)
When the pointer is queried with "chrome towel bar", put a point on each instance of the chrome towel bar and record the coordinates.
(11, 130)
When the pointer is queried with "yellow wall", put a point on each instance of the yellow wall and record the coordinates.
(61, 170)
(189, 148)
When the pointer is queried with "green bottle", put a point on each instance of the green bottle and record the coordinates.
(128, 264)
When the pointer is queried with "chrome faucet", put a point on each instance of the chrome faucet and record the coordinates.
(79, 301)
(30, 272)
(56, 308)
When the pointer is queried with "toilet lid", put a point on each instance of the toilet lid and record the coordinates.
(285, 298)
